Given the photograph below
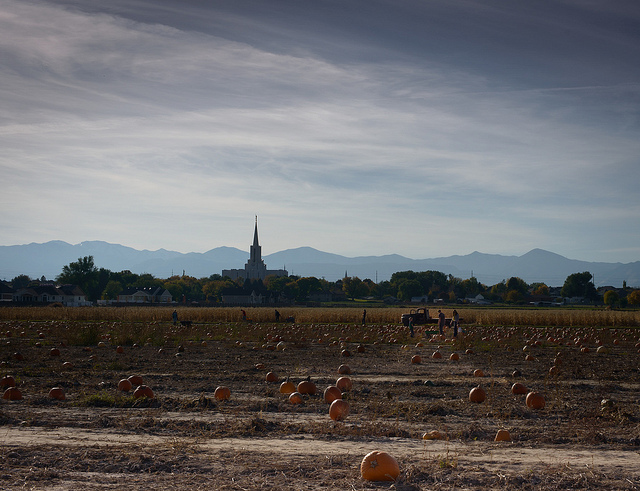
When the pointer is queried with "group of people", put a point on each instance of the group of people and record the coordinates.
(455, 323)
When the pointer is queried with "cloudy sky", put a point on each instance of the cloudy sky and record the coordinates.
(357, 127)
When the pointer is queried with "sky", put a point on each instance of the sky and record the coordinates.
(356, 127)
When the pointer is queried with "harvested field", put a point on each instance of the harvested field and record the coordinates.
(586, 436)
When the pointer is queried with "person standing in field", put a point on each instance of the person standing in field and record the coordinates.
(455, 321)
(175, 317)
(364, 317)
(440, 321)
(277, 316)
(244, 314)
(411, 326)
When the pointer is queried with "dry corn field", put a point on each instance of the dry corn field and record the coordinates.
(407, 396)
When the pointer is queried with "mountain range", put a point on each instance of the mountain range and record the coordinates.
(47, 259)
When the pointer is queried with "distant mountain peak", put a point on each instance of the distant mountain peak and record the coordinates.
(537, 265)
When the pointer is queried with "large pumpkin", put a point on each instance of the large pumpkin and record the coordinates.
(339, 410)
(477, 394)
(379, 466)
(7, 381)
(307, 387)
(136, 380)
(518, 388)
(143, 391)
(502, 436)
(125, 385)
(344, 370)
(535, 400)
(222, 393)
(295, 398)
(287, 387)
(271, 377)
(57, 393)
(12, 394)
(344, 384)
(332, 393)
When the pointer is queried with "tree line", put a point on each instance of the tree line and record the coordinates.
(101, 283)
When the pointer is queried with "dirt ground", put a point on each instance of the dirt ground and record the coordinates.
(587, 436)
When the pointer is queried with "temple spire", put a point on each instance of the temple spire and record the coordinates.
(255, 233)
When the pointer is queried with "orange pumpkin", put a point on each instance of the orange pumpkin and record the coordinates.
(125, 385)
(436, 355)
(332, 393)
(379, 466)
(136, 380)
(57, 393)
(143, 391)
(416, 359)
(12, 394)
(307, 387)
(339, 410)
(54, 352)
(502, 436)
(344, 370)
(222, 393)
(7, 381)
(535, 400)
(477, 394)
(454, 357)
(478, 373)
(518, 388)
(287, 387)
(119, 349)
(295, 398)
(271, 377)
(346, 353)
(344, 384)
(433, 435)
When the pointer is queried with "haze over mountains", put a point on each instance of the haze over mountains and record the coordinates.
(537, 265)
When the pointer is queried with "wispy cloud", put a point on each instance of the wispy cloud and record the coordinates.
(134, 127)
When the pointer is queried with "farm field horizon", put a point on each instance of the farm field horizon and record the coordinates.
(584, 363)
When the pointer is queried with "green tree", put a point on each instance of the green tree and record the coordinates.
(306, 286)
(634, 297)
(611, 298)
(354, 287)
(20, 281)
(409, 289)
(111, 290)
(579, 285)
(83, 273)
(513, 296)
(539, 289)
(517, 284)
(471, 287)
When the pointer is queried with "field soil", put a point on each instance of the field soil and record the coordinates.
(586, 437)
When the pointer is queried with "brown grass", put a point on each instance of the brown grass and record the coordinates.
(562, 317)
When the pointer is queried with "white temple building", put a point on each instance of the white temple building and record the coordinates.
(255, 267)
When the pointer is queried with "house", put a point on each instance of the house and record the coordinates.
(6, 292)
(478, 300)
(67, 295)
(145, 295)
(422, 299)
(242, 299)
